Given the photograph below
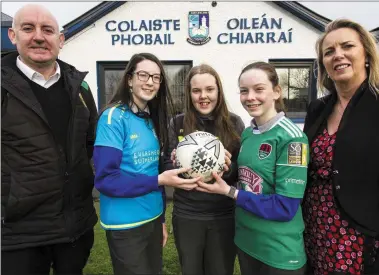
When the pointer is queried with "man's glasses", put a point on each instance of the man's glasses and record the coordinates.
(144, 76)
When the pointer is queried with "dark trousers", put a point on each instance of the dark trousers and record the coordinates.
(205, 247)
(252, 266)
(137, 250)
(65, 258)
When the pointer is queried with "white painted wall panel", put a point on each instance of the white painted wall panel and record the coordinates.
(94, 43)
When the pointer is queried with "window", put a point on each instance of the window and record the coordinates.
(298, 82)
(110, 74)
(176, 74)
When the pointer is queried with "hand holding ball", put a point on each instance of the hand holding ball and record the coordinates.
(203, 152)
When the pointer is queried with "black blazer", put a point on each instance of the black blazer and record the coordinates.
(356, 157)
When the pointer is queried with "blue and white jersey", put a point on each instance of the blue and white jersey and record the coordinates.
(126, 159)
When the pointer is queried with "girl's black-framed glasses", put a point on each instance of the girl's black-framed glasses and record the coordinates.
(144, 76)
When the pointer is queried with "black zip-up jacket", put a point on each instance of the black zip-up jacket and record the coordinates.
(46, 195)
(356, 156)
(195, 204)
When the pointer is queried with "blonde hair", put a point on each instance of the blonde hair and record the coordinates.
(369, 44)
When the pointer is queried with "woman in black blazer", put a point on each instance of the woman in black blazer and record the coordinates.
(341, 203)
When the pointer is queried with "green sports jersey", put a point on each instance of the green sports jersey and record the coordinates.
(273, 160)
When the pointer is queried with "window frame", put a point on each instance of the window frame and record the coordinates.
(102, 66)
(295, 63)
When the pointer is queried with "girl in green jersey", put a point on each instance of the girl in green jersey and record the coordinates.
(272, 175)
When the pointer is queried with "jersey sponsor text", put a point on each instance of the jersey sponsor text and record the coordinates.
(249, 180)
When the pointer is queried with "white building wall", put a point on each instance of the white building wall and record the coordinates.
(94, 43)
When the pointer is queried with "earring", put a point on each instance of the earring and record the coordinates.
(367, 65)
(327, 76)
(131, 89)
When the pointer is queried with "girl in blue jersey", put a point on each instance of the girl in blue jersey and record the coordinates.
(131, 133)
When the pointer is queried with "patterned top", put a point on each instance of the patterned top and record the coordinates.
(330, 243)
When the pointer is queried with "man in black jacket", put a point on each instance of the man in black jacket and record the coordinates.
(47, 135)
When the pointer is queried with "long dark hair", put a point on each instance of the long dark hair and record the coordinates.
(272, 76)
(224, 129)
(160, 107)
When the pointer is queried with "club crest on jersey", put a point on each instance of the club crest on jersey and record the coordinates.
(249, 181)
(264, 150)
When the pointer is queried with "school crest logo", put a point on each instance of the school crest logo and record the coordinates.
(264, 150)
(198, 27)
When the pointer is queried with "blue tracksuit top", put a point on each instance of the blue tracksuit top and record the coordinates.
(126, 158)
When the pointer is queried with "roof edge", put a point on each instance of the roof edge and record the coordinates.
(6, 24)
(312, 11)
(5, 17)
(91, 16)
(314, 19)
(73, 21)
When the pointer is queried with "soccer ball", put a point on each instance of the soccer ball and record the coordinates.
(203, 152)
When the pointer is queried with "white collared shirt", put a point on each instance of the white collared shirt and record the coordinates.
(38, 78)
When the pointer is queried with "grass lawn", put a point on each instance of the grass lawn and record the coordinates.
(99, 261)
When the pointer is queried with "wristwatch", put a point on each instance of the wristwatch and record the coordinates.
(231, 192)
